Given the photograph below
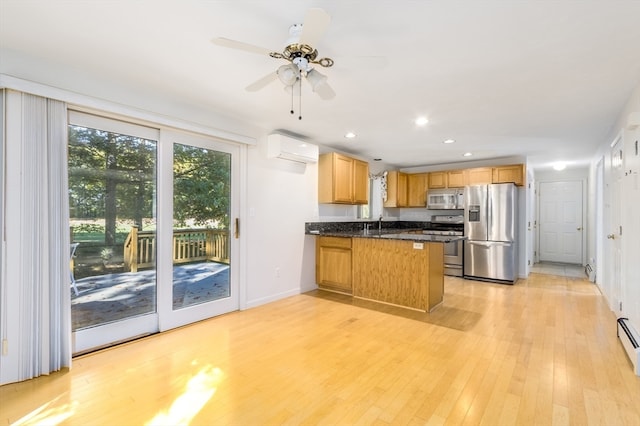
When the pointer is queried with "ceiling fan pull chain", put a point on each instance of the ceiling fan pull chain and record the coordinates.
(292, 100)
(300, 100)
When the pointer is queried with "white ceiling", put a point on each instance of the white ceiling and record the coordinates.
(542, 79)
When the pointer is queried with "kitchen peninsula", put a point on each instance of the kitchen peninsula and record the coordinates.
(398, 266)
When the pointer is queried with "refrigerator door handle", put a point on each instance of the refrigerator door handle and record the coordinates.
(490, 224)
(488, 244)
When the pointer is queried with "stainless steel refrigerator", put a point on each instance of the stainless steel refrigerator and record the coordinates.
(490, 251)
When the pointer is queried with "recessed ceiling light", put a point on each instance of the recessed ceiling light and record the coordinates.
(350, 135)
(448, 141)
(421, 121)
(559, 166)
(467, 154)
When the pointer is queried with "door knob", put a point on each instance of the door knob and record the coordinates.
(579, 228)
(611, 237)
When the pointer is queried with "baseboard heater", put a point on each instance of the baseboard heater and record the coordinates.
(631, 342)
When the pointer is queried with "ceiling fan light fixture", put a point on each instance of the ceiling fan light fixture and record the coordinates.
(316, 79)
(288, 74)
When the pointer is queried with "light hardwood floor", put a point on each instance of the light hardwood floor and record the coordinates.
(541, 352)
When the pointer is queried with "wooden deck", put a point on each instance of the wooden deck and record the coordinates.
(106, 298)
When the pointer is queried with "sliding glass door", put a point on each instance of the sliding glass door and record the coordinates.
(203, 240)
(151, 214)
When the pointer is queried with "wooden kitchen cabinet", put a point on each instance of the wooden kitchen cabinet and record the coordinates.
(334, 264)
(513, 173)
(479, 176)
(397, 193)
(437, 180)
(417, 185)
(456, 178)
(342, 179)
(360, 181)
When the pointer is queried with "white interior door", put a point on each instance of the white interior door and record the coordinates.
(561, 226)
(614, 236)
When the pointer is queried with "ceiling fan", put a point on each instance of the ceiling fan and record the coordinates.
(299, 54)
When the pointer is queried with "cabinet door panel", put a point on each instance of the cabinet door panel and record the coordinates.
(507, 174)
(343, 179)
(417, 189)
(456, 178)
(361, 182)
(333, 263)
(437, 180)
(479, 176)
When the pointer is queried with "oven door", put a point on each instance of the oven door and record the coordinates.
(453, 253)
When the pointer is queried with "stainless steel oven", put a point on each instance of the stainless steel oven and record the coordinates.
(453, 251)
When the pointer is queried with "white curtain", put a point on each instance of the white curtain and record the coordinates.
(36, 285)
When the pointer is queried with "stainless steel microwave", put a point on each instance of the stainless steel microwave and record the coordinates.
(445, 199)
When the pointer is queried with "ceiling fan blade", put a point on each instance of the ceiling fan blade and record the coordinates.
(315, 24)
(261, 83)
(325, 91)
(234, 44)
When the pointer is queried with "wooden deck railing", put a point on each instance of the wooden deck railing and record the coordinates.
(189, 245)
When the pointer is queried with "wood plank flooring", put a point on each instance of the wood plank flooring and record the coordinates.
(541, 352)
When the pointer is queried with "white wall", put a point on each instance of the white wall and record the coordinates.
(282, 196)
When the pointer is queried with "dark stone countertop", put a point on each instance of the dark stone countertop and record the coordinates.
(393, 230)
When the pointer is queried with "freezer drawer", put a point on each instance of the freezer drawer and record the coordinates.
(490, 260)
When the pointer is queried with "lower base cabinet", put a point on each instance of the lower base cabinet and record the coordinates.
(334, 264)
(401, 273)
(396, 272)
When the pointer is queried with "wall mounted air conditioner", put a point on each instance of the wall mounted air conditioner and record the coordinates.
(288, 148)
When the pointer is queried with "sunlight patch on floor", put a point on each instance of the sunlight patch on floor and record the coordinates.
(47, 414)
(198, 390)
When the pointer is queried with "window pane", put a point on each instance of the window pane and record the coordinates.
(112, 193)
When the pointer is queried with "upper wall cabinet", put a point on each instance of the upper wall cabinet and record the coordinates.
(447, 179)
(396, 189)
(505, 174)
(437, 180)
(456, 178)
(342, 179)
(417, 185)
(479, 176)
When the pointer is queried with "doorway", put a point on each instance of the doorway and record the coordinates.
(151, 216)
(561, 226)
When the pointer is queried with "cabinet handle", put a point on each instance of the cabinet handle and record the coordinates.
(237, 230)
